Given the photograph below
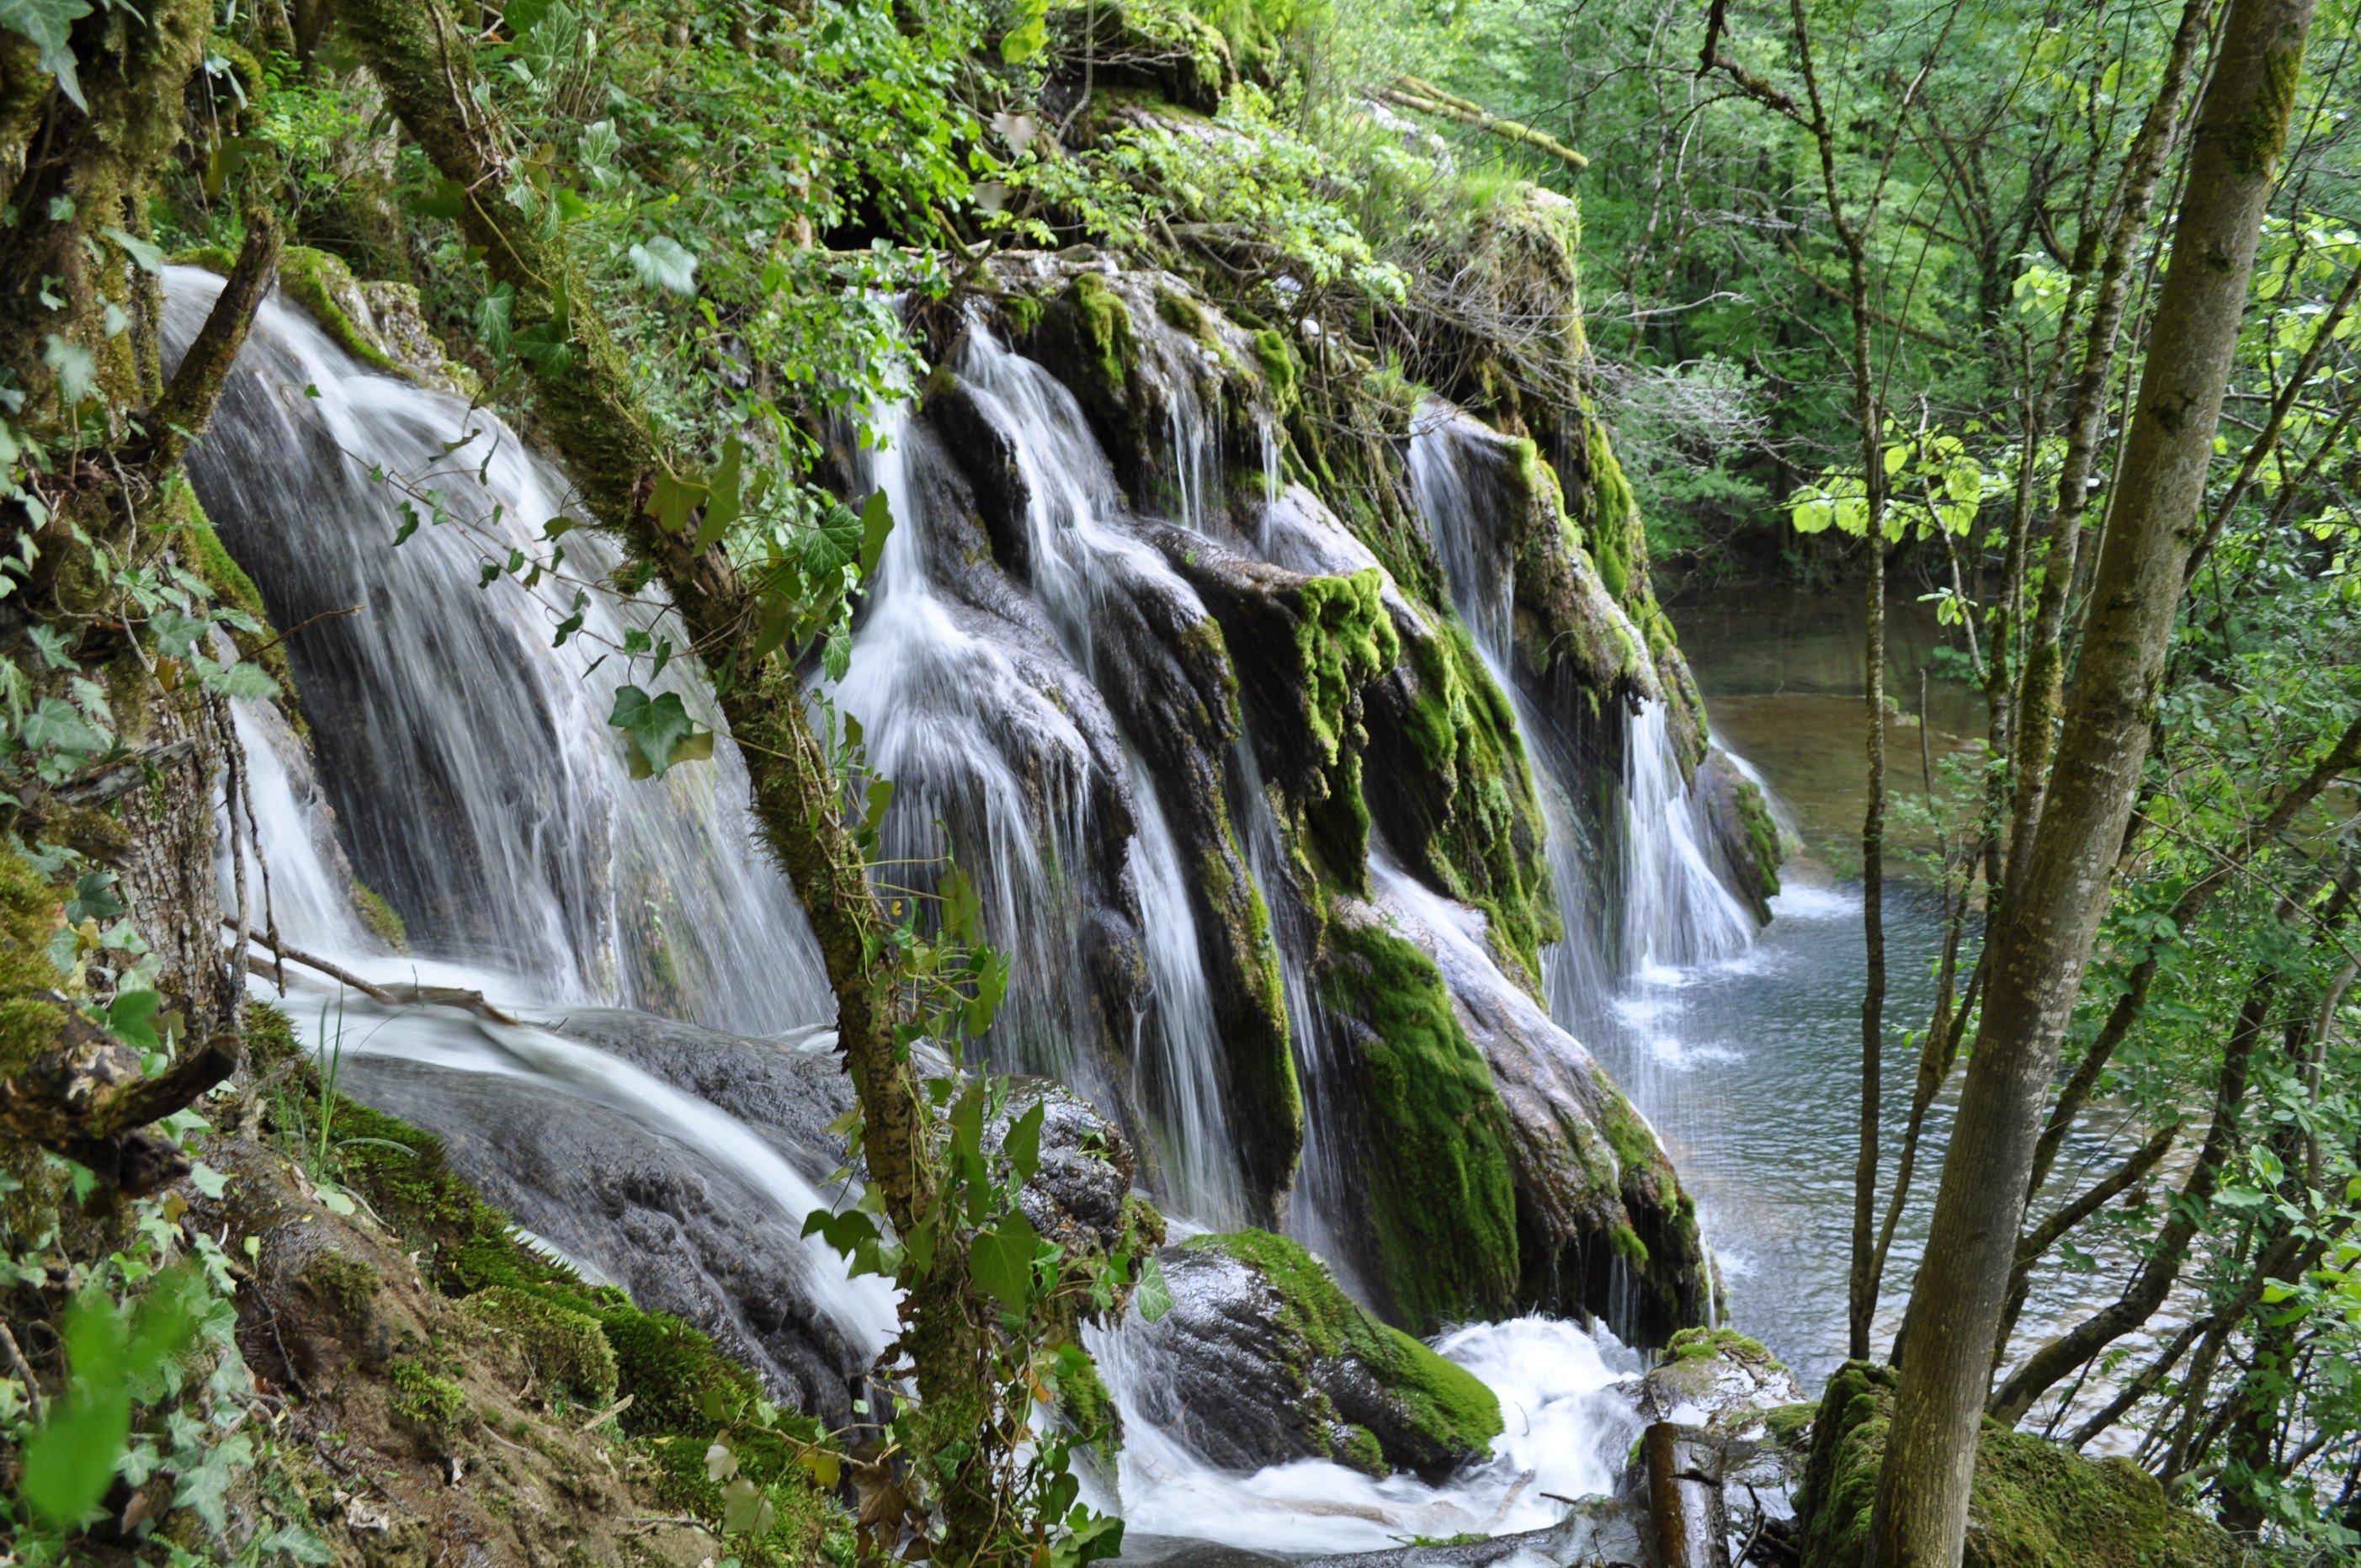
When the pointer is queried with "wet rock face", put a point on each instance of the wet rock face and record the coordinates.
(1255, 1312)
(678, 1232)
(1740, 829)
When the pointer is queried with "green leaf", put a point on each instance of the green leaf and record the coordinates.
(77, 370)
(722, 505)
(876, 523)
(1023, 1142)
(47, 23)
(664, 263)
(656, 727)
(70, 1461)
(132, 1018)
(744, 1510)
(144, 256)
(834, 544)
(1002, 1260)
(1025, 39)
(836, 658)
(57, 722)
(1154, 1297)
(242, 679)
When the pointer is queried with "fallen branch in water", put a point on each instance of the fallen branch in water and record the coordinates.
(390, 996)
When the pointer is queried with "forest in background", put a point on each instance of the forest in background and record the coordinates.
(1901, 273)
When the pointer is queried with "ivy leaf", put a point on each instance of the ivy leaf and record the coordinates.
(241, 679)
(836, 659)
(144, 256)
(176, 634)
(876, 523)
(59, 723)
(834, 544)
(1155, 1295)
(1002, 1260)
(46, 23)
(205, 1487)
(744, 1510)
(132, 1018)
(656, 727)
(1023, 1142)
(722, 505)
(77, 370)
(664, 263)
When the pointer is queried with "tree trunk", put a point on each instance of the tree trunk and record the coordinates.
(1920, 1518)
(1863, 1296)
(591, 412)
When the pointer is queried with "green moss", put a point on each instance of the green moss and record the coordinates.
(1446, 1403)
(1180, 312)
(1106, 325)
(315, 279)
(432, 1402)
(1282, 372)
(29, 910)
(1022, 312)
(1788, 1424)
(1487, 838)
(1628, 1245)
(2032, 1505)
(1761, 834)
(382, 917)
(1345, 639)
(1701, 1344)
(1441, 1199)
(566, 1349)
(347, 1284)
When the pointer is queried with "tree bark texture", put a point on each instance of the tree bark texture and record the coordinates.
(1920, 1518)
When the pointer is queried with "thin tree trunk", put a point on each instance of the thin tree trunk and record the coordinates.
(2045, 668)
(1865, 1251)
(1920, 1516)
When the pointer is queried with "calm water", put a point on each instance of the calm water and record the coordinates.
(1749, 1068)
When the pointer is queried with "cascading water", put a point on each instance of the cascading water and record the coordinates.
(1665, 907)
(466, 767)
(477, 786)
(471, 774)
(953, 715)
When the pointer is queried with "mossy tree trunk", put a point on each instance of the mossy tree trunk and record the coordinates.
(426, 65)
(2053, 913)
(104, 435)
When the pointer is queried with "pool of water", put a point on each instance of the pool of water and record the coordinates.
(1748, 1067)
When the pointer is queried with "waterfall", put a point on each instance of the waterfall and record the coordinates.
(1648, 901)
(465, 764)
(1178, 1033)
(961, 719)
(476, 782)
(1565, 1419)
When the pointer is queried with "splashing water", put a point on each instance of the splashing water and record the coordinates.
(1566, 1422)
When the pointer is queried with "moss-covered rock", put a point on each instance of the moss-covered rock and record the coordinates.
(1441, 1204)
(1256, 1306)
(567, 1350)
(2034, 1504)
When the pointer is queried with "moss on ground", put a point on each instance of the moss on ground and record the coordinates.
(1441, 1197)
(1701, 1344)
(1446, 1403)
(589, 1342)
(566, 1349)
(2033, 1504)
